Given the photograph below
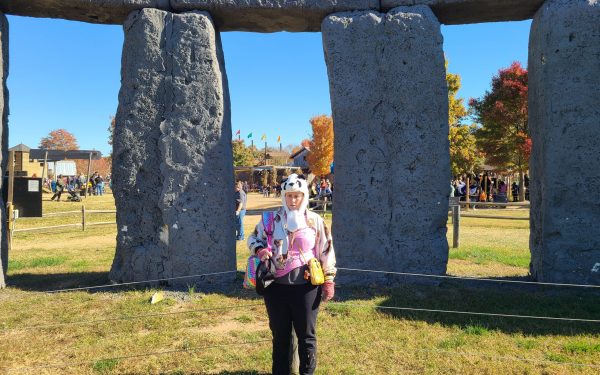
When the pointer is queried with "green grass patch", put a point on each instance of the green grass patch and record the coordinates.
(104, 366)
(582, 347)
(557, 357)
(476, 330)
(487, 255)
(244, 319)
(453, 342)
(15, 265)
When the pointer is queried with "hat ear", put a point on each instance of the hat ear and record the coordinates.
(302, 176)
(284, 180)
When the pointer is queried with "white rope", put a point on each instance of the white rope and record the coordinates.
(470, 278)
(469, 313)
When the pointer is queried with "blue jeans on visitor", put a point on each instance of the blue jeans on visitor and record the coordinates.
(239, 230)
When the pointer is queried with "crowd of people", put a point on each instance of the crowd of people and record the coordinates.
(486, 188)
(96, 184)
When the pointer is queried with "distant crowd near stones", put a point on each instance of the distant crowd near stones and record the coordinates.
(390, 108)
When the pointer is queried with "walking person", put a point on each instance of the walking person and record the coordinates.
(60, 186)
(297, 235)
(240, 210)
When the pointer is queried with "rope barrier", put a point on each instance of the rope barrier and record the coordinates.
(471, 313)
(126, 317)
(137, 282)
(470, 278)
(194, 349)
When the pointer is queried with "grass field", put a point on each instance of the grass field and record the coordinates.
(196, 332)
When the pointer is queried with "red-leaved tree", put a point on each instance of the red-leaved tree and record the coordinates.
(502, 114)
(59, 139)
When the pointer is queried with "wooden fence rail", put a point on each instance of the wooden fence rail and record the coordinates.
(83, 223)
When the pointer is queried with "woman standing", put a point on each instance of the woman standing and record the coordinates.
(292, 301)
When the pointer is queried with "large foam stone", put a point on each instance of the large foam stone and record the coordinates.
(271, 15)
(564, 122)
(453, 12)
(390, 111)
(173, 167)
(3, 140)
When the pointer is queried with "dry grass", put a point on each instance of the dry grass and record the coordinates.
(352, 340)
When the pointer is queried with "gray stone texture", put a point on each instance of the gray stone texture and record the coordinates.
(390, 110)
(3, 141)
(94, 11)
(453, 12)
(270, 15)
(564, 122)
(173, 167)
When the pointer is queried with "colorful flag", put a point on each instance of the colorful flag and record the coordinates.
(249, 135)
(278, 139)
(264, 137)
(238, 132)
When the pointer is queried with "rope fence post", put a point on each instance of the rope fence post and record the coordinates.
(83, 217)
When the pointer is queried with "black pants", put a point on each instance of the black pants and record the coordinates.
(297, 305)
(57, 194)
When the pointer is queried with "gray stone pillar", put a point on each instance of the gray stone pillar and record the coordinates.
(3, 142)
(392, 165)
(564, 122)
(172, 167)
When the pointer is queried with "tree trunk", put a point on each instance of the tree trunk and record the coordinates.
(521, 186)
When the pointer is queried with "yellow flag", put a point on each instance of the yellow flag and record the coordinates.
(278, 139)
(264, 137)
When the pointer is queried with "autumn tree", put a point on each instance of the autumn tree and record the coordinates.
(111, 130)
(242, 155)
(502, 113)
(321, 146)
(464, 157)
(59, 139)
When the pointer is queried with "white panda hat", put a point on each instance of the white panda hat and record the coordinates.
(295, 183)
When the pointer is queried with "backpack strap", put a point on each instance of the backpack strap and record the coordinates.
(267, 219)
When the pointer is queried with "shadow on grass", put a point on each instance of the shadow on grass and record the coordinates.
(101, 283)
(541, 301)
(242, 372)
(55, 281)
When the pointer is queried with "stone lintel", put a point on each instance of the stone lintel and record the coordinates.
(270, 15)
(93, 11)
(456, 12)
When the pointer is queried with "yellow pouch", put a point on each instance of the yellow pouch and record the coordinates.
(314, 268)
(316, 272)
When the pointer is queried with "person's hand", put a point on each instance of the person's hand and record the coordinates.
(264, 254)
(328, 290)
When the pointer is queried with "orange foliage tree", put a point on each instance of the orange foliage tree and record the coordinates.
(59, 139)
(321, 146)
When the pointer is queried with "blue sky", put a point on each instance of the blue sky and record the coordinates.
(66, 74)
